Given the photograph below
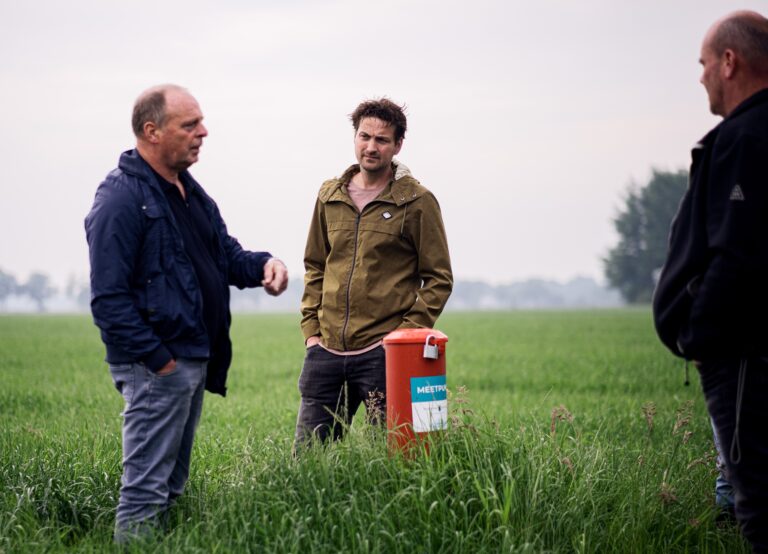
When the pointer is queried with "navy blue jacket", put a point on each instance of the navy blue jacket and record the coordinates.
(711, 301)
(145, 297)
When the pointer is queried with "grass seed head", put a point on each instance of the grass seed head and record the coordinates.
(667, 494)
(559, 413)
(683, 416)
(374, 412)
(697, 462)
(567, 463)
(649, 411)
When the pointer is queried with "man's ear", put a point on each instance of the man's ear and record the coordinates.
(151, 132)
(398, 146)
(728, 63)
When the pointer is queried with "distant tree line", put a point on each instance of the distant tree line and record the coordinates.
(39, 289)
(579, 292)
(632, 266)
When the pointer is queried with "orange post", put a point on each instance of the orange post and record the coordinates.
(417, 403)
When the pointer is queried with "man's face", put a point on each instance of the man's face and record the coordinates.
(375, 144)
(712, 79)
(181, 136)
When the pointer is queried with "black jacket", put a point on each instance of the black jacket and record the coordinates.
(145, 296)
(711, 301)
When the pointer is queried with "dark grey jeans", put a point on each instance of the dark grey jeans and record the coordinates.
(332, 388)
(737, 399)
(159, 421)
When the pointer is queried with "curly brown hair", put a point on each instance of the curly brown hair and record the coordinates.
(384, 109)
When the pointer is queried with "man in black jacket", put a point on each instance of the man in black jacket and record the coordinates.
(711, 302)
(161, 265)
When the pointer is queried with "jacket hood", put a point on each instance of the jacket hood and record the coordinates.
(404, 187)
(132, 163)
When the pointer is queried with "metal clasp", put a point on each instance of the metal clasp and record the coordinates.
(430, 350)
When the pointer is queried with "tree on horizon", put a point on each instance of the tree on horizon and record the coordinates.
(632, 266)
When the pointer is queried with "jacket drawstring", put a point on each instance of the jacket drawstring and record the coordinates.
(402, 225)
(736, 443)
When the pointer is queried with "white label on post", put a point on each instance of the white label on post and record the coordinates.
(429, 403)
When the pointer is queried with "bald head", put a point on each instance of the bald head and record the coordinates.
(734, 59)
(151, 106)
(169, 129)
(746, 34)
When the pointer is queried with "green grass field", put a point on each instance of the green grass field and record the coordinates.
(572, 432)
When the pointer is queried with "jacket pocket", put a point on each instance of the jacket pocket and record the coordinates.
(161, 303)
(157, 237)
(384, 241)
(672, 311)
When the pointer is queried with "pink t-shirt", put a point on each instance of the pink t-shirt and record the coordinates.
(360, 196)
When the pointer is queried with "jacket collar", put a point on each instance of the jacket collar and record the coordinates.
(132, 163)
(757, 98)
(754, 100)
(403, 187)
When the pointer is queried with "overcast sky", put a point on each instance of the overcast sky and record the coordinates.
(528, 120)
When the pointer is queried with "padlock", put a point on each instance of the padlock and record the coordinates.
(430, 350)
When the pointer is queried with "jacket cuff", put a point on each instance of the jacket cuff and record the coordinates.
(158, 359)
(260, 268)
(410, 324)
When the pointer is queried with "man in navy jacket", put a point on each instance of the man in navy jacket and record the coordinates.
(711, 302)
(161, 265)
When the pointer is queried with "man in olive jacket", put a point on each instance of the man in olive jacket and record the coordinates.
(376, 260)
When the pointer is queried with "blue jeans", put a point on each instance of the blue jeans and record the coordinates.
(159, 421)
(723, 487)
(737, 399)
(332, 388)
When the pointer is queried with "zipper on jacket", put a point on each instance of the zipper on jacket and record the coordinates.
(349, 281)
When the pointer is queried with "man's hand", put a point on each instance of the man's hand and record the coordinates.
(312, 341)
(275, 277)
(167, 368)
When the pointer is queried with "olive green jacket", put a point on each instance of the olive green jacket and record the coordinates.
(370, 273)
